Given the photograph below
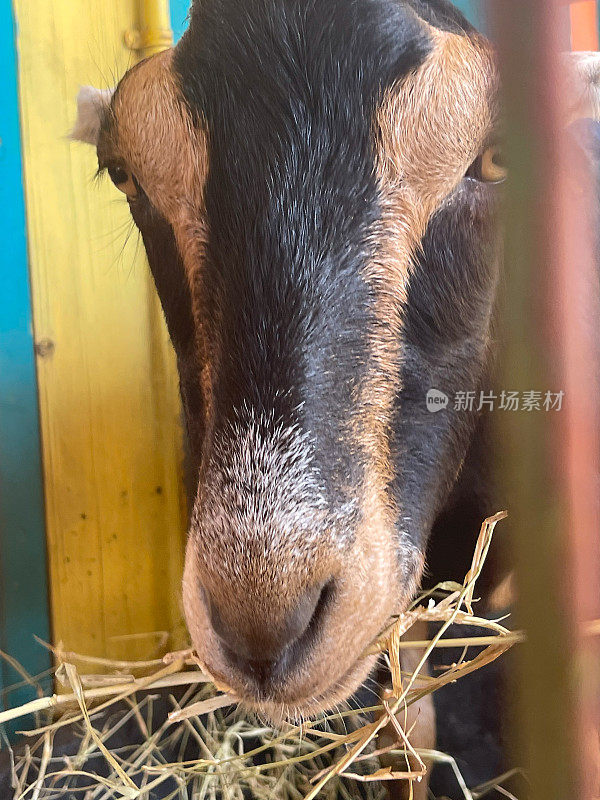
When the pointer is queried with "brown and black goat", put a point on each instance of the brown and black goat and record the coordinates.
(316, 184)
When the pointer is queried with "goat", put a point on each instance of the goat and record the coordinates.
(316, 185)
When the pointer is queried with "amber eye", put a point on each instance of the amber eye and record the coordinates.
(489, 166)
(123, 180)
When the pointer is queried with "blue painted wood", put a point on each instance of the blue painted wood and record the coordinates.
(474, 11)
(179, 13)
(23, 581)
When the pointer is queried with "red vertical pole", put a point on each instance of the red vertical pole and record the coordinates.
(584, 25)
(551, 462)
(574, 300)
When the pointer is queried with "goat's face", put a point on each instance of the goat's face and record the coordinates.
(308, 181)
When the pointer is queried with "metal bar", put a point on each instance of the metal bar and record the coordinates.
(550, 462)
(584, 25)
(155, 26)
(153, 33)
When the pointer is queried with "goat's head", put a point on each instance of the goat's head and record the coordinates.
(315, 184)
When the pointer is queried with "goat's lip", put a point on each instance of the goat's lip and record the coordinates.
(301, 705)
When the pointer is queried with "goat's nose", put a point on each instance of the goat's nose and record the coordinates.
(257, 645)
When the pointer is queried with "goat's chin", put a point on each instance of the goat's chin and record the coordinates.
(278, 714)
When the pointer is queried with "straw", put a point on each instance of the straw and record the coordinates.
(329, 757)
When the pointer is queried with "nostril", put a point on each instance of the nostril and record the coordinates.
(261, 647)
(216, 620)
(309, 611)
(323, 602)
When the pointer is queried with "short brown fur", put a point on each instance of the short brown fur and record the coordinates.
(425, 142)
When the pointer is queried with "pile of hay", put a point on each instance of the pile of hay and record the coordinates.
(236, 757)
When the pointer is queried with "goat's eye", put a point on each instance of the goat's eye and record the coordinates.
(489, 166)
(123, 180)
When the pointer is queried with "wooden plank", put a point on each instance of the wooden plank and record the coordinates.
(23, 585)
(108, 388)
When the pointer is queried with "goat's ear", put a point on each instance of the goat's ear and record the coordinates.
(584, 78)
(92, 105)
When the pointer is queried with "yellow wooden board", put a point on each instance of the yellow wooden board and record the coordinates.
(110, 412)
